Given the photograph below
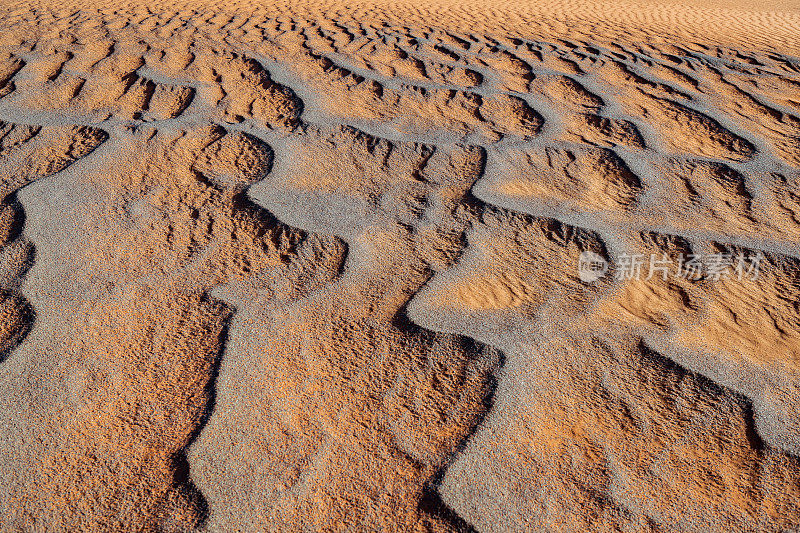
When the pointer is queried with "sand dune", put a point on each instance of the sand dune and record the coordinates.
(321, 266)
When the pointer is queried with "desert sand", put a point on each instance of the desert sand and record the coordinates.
(316, 266)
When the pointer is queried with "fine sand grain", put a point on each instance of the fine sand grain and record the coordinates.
(314, 266)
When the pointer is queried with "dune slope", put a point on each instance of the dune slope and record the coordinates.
(318, 266)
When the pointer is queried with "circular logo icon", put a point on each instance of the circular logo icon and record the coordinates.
(591, 267)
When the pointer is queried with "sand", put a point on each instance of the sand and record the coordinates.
(316, 266)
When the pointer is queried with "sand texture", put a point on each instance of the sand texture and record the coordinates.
(314, 266)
